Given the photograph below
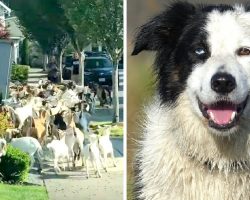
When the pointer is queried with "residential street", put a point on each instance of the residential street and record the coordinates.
(74, 185)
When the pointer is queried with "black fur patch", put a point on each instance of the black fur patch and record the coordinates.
(60, 122)
(175, 35)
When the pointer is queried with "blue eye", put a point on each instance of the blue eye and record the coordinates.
(200, 51)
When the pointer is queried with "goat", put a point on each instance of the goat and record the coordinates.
(60, 150)
(91, 153)
(41, 124)
(82, 119)
(104, 94)
(26, 111)
(11, 133)
(106, 147)
(73, 138)
(37, 127)
(31, 146)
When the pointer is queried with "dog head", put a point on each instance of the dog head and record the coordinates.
(203, 51)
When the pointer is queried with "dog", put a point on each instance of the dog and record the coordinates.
(196, 134)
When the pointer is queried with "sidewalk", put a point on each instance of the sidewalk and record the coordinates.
(73, 185)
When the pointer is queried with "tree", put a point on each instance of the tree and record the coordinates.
(43, 21)
(109, 31)
(80, 16)
(25, 52)
(98, 21)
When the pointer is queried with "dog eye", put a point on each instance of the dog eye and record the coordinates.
(243, 51)
(200, 51)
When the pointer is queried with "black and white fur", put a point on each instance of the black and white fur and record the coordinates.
(185, 153)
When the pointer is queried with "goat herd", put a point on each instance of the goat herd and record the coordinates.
(54, 120)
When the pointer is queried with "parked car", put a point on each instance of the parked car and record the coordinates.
(98, 70)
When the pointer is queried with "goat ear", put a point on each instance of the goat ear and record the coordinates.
(164, 29)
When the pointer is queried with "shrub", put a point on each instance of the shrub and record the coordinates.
(4, 123)
(19, 73)
(14, 166)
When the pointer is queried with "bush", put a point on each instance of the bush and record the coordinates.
(4, 123)
(14, 166)
(19, 73)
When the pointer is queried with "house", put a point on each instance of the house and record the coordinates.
(4, 10)
(16, 35)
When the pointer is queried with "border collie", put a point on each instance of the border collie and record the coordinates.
(196, 136)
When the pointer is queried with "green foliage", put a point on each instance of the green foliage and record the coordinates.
(14, 166)
(19, 73)
(43, 21)
(24, 51)
(4, 123)
(115, 131)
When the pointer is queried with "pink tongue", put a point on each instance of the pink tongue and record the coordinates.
(221, 117)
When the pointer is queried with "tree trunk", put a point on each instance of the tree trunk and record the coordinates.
(45, 61)
(81, 68)
(115, 99)
(60, 64)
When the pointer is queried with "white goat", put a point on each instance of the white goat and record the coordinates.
(31, 146)
(106, 147)
(92, 154)
(26, 111)
(60, 151)
(73, 138)
(70, 98)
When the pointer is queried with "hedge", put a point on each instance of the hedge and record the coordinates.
(19, 73)
(14, 166)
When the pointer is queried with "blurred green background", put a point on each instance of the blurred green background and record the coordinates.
(139, 70)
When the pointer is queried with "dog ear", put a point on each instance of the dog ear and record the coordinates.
(164, 29)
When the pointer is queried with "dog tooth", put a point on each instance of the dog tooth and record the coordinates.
(233, 115)
(211, 115)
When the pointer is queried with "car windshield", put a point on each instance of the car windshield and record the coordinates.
(97, 63)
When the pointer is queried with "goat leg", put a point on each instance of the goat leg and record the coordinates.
(87, 167)
(113, 158)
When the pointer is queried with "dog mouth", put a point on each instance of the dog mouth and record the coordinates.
(222, 114)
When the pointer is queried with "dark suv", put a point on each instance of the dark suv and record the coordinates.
(98, 69)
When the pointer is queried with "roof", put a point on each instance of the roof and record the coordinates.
(6, 8)
(13, 27)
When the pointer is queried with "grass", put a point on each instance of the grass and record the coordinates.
(22, 192)
(116, 129)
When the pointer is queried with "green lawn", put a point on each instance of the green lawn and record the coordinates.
(116, 129)
(22, 192)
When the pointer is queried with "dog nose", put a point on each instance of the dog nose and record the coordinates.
(223, 83)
